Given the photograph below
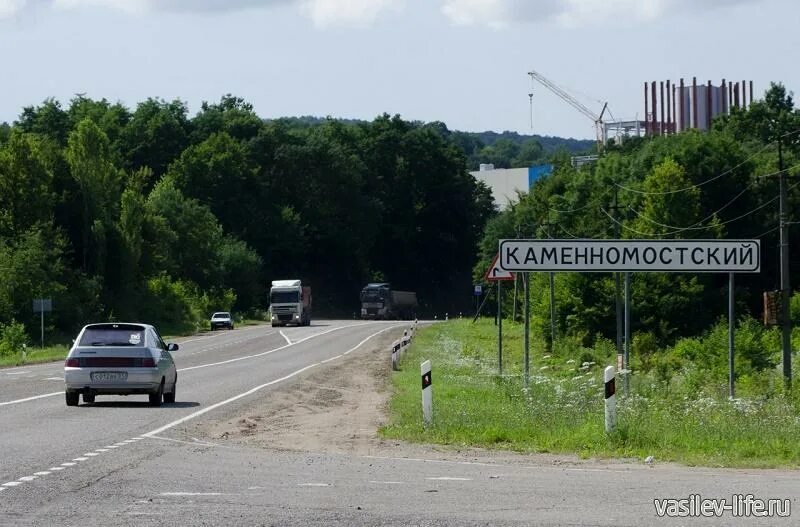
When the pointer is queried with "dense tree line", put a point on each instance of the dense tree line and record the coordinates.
(716, 184)
(151, 214)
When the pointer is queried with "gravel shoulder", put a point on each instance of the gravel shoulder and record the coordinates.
(338, 408)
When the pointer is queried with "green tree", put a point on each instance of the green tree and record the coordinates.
(26, 183)
(89, 157)
(156, 134)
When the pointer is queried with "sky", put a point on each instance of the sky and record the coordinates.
(462, 62)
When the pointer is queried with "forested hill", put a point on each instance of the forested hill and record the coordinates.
(504, 150)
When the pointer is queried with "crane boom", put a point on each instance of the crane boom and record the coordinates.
(564, 95)
(597, 119)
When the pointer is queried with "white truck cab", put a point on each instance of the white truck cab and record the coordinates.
(290, 303)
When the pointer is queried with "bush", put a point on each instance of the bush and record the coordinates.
(12, 338)
(178, 306)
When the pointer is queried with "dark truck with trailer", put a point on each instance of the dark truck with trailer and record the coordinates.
(380, 301)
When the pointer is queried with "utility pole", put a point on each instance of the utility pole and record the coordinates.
(786, 323)
(547, 224)
(617, 285)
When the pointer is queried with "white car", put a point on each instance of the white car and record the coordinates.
(120, 359)
(221, 319)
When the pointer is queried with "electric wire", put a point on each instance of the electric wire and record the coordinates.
(697, 185)
(698, 225)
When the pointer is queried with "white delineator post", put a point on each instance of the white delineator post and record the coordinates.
(611, 398)
(427, 396)
(395, 354)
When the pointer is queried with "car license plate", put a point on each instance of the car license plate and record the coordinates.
(109, 376)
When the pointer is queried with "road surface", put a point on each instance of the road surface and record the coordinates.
(122, 462)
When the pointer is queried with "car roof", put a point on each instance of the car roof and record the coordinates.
(221, 313)
(118, 325)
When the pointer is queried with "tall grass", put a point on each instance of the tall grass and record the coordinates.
(561, 410)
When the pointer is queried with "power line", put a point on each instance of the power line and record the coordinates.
(698, 225)
(593, 203)
(628, 228)
(697, 185)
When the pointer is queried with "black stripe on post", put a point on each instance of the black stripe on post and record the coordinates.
(426, 380)
(611, 388)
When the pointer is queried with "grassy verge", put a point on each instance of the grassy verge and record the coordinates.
(36, 356)
(562, 409)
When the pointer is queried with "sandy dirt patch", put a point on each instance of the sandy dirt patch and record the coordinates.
(338, 408)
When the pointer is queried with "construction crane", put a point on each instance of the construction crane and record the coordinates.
(599, 126)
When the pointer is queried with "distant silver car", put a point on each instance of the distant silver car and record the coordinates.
(120, 359)
(221, 319)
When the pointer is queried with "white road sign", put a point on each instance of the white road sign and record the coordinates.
(664, 256)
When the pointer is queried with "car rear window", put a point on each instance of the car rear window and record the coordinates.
(221, 315)
(113, 336)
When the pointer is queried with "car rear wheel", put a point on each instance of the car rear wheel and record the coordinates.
(156, 398)
(169, 398)
(88, 398)
(72, 398)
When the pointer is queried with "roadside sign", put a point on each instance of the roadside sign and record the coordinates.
(478, 290)
(42, 305)
(663, 256)
(494, 273)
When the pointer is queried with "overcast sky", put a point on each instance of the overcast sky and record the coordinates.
(462, 62)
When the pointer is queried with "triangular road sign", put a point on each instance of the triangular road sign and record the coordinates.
(495, 273)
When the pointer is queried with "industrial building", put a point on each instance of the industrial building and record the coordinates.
(507, 183)
(675, 107)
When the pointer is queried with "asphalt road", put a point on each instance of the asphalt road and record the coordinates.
(121, 462)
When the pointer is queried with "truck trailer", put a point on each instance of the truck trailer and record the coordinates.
(290, 303)
(380, 301)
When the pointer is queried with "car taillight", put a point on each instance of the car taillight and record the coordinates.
(148, 363)
(72, 363)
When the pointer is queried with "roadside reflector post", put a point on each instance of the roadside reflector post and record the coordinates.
(611, 399)
(395, 354)
(427, 396)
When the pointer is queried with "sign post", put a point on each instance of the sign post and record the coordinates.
(495, 274)
(40, 305)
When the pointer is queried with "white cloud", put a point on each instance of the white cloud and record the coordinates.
(570, 13)
(10, 7)
(348, 12)
(323, 12)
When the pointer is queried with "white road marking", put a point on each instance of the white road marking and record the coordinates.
(91, 454)
(27, 399)
(28, 478)
(313, 484)
(387, 482)
(102, 450)
(111, 446)
(80, 459)
(42, 473)
(56, 468)
(12, 484)
(282, 334)
(31, 398)
(68, 464)
(191, 494)
(18, 372)
(448, 478)
(257, 388)
(54, 378)
(270, 351)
